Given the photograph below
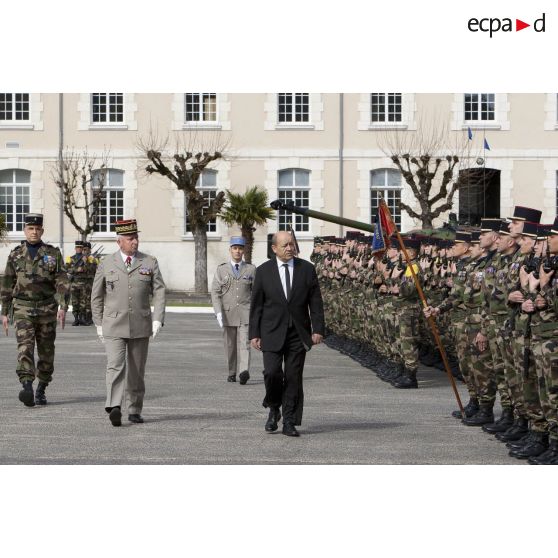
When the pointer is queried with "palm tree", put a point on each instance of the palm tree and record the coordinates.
(247, 210)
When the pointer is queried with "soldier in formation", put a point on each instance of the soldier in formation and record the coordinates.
(493, 292)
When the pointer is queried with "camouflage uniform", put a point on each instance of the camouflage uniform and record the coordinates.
(76, 266)
(32, 290)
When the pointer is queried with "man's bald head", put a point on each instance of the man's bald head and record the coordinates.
(283, 245)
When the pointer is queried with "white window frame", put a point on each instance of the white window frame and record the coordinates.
(297, 221)
(14, 120)
(213, 223)
(108, 190)
(201, 122)
(385, 189)
(293, 123)
(108, 123)
(386, 121)
(479, 101)
(14, 231)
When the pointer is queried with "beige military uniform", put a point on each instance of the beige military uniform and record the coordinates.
(120, 303)
(230, 296)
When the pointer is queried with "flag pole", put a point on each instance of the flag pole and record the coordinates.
(430, 319)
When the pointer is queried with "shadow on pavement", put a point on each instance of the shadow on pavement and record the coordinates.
(343, 426)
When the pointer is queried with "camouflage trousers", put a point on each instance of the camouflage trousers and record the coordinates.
(81, 297)
(497, 349)
(545, 353)
(525, 364)
(480, 363)
(461, 340)
(390, 326)
(512, 372)
(35, 326)
(408, 319)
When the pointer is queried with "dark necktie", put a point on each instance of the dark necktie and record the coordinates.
(128, 263)
(236, 269)
(287, 280)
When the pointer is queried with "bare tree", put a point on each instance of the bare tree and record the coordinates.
(182, 165)
(430, 160)
(82, 179)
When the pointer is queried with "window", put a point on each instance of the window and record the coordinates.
(14, 107)
(386, 107)
(479, 107)
(201, 107)
(294, 187)
(207, 185)
(107, 108)
(112, 204)
(386, 183)
(293, 108)
(14, 197)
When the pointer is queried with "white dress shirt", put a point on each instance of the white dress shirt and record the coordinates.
(280, 264)
(124, 256)
(233, 264)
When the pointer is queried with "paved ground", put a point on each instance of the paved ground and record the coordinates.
(194, 416)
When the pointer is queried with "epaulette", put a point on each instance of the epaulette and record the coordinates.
(18, 248)
(224, 263)
(68, 259)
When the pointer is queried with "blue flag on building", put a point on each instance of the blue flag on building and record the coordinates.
(469, 132)
(486, 146)
(378, 242)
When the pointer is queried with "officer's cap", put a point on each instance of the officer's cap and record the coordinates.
(34, 219)
(462, 236)
(554, 228)
(237, 241)
(79, 244)
(488, 225)
(521, 213)
(126, 226)
(530, 229)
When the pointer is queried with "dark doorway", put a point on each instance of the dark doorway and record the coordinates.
(479, 195)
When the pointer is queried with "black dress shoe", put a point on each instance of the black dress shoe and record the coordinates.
(26, 395)
(289, 429)
(115, 416)
(135, 418)
(231, 378)
(243, 377)
(272, 419)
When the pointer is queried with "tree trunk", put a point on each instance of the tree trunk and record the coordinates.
(426, 222)
(248, 234)
(200, 263)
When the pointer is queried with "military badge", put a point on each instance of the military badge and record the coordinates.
(145, 271)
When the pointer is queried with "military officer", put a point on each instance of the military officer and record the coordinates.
(120, 301)
(34, 293)
(231, 290)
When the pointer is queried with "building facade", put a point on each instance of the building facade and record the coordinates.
(325, 151)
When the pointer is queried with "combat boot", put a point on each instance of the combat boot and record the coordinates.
(546, 458)
(517, 444)
(26, 395)
(470, 409)
(537, 446)
(407, 380)
(40, 397)
(502, 424)
(87, 319)
(484, 415)
(76, 319)
(517, 430)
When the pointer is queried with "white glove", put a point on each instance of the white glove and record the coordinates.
(156, 328)
(100, 334)
(219, 317)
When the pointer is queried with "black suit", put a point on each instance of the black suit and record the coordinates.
(285, 328)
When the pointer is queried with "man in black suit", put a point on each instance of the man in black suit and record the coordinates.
(286, 319)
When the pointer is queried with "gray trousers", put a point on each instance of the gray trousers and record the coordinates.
(237, 348)
(126, 369)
